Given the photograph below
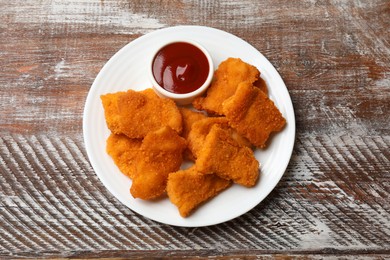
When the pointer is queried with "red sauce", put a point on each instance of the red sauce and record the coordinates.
(180, 68)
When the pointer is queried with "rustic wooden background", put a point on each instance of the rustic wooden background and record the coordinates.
(333, 200)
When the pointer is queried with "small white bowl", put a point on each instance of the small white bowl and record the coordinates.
(186, 98)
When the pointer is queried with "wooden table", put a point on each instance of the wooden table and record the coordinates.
(333, 200)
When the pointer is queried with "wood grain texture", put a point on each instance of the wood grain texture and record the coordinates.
(333, 200)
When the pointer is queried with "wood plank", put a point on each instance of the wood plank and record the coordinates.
(59, 205)
(332, 202)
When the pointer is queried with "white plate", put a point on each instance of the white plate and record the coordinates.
(127, 69)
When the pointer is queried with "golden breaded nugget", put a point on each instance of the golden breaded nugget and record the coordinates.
(189, 118)
(226, 78)
(124, 152)
(253, 114)
(201, 128)
(262, 85)
(161, 154)
(199, 131)
(222, 155)
(187, 189)
(137, 113)
(143, 112)
(111, 113)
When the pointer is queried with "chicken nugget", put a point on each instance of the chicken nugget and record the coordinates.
(137, 113)
(253, 114)
(124, 152)
(161, 154)
(189, 118)
(226, 78)
(201, 128)
(187, 189)
(199, 131)
(225, 157)
(260, 84)
(111, 112)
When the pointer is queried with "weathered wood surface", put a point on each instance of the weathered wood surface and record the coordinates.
(334, 197)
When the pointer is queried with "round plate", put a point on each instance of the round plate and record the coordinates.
(127, 69)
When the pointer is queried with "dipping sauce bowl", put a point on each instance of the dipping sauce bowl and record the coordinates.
(181, 70)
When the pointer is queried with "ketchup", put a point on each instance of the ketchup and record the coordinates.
(180, 67)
